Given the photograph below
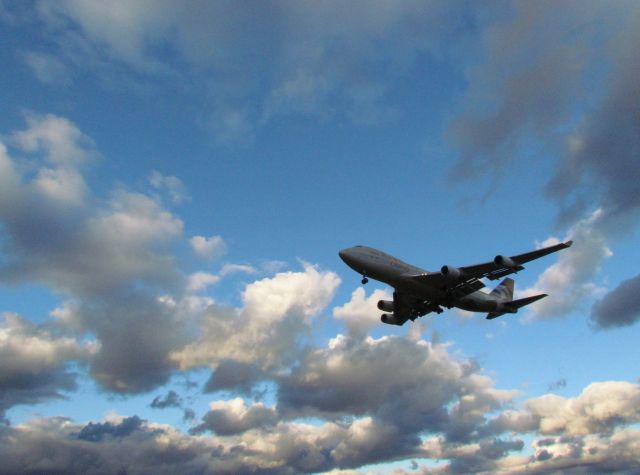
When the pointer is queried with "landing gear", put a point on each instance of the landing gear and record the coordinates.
(364, 280)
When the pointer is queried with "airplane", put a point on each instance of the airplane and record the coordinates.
(418, 292)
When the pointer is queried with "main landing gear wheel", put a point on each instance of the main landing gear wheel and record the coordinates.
(364, 280)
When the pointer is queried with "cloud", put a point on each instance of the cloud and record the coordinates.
(135, 445)
(172, 185)
(208, 247)
(619, 307)
(599, 409)
(601, 154)
(115, 242)
(64, 149)
(588, 454)
(201, 280)
(234, 417)
(35, 364)
(559, 384)
(530, 87)
(361, 314)
(237, 268)
(96, 432)
(587, 433)
(368, 377)
(234, 376)
(569, 282)
(523, 85)
(583, 433)
(108, 257)
(171, 399)
(266, 331)
(442, 408)
(584, 455)
(59, 140)
(59, 445)
(313, 59)
(48, 69)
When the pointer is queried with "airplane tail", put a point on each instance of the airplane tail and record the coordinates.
(504, 293)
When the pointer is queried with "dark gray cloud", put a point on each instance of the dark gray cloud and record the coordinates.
(560, 383)
(171, 399)
(524, 85)
(543, 455)
(434, 393)
(531, 88)
(97, 431)
(234, 376)
(484, 456)
(620, 307)
(188, 415)
(137, 334)
(605, 148)
(234, 417)
(130, 446)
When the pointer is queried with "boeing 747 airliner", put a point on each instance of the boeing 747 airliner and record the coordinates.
(418, 292)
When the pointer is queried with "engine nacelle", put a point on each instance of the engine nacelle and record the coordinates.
(504, 261)
(389, 319)
(452, 274)
(386, 305)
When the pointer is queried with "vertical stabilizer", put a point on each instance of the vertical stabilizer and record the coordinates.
(504, 291)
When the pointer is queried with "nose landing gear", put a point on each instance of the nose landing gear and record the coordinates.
(364, 280)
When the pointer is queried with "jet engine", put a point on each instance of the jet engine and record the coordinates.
(504, 261)
(385, 305)
(389, 319)
(452, 274)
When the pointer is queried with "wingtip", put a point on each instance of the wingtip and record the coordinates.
(568, 243)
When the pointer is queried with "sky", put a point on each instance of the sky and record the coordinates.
(176, 180)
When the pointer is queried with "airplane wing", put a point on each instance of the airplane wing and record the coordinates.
(462, 281)
(502, 266)
(467, 286)
(467, 282)
(407, 307)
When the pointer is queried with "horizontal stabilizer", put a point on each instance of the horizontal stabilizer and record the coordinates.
(526, 301)
(514, 305)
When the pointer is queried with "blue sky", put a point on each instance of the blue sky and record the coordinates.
(176, 182)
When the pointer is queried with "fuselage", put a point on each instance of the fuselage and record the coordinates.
(370, 262)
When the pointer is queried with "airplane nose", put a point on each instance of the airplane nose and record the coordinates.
(346, 256)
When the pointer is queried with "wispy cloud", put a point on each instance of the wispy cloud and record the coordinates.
(570, 281)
